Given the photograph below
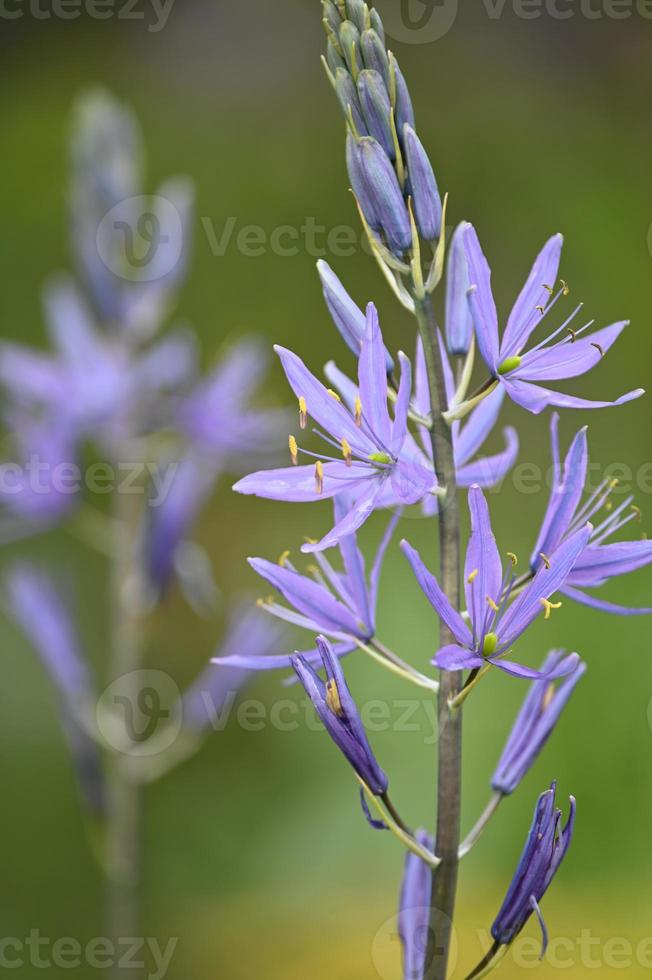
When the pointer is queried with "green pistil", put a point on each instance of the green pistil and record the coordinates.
(490, 645)
(510, 365)
(380, 458)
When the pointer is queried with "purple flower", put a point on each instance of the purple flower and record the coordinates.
(519, 372)
(422, 187)
(535, 724)
(215, 690)
(340, 605)
(375, 185)
(459, 321)
(375, 448)
(110, 216)
(338, 712)
(600, 561)
(39, 610)
(414, 910)
(544, 852)
(347, 315)
(495, 624)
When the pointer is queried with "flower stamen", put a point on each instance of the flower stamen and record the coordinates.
(473, 576)
(319, 476)
(303, 412)
(294, 450)
(358, 411)
(550, 607)
(546, 561)
(333, 699)
(283, 560)
(513, 558)
(347, 452)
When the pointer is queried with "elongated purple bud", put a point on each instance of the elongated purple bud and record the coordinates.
(459, 321)
(414, 910)
(388, 204)
(422, 186)
(403, 109)
(331, 15)
(347, 315)
(359, 184)
(374, 54)
(356, 10)
(377, 25)
(377, 110)
(349, 37)
(334, 59)
(347, 94)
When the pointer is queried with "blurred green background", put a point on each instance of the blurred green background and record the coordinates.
(257, 857)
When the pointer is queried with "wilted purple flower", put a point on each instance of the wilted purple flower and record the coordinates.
(535, 724)
(131, 250)
(422, 187)
(495, 624)
(600, 561)
(338, 712)
(414, 909)
(341, 605)
(215, 690)
(520, 372)
(39, 610)
(375, 185)
(347, 315)
(459, 321)
(373, 445)
(546, 848)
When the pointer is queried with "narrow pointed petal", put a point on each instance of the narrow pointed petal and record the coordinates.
(354, 566)
(481, 300)
(601, 562)
(363, 508)
(483, 572)
(414, 909)
(248, 661)
(296, 484)
(525, 316)
(402, 407)
(459, 322)
(376, 568)
(567, 666)
(436, 597)
(568, 359)
(372, 377)
(609, 607)
(454, 658)
(565, 497)
(536, 399)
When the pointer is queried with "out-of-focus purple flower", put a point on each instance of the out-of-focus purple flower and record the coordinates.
(535, 724)
(600, 561)
(522, 373)
(92, 384)
(131, 249)
(218, 419)
(375, 185)
(347, 315)
(341, 605)
(414, 909)
(373, 445)
(39, 610)
(495, 624)
(338, 712)
(422, 187)
(459, 321)
(546, 848)
(212, 694)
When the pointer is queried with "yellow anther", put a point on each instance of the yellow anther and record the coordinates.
(541, 309)
(358, 411)
(346, 452)
(548, 288)
(599, 348)
(614, 483)
(261, 603)
(546, 561)
(319, 476)
(492, 605)
(550, 607)
(609, 506)
(303, 412)
(314, 570)
(473, 576)
(513, 558)
(334, 394)
(637, 510)
(573, 335)
(565, 287)
(547, 697)
(333, 699)
(283, 560)
(644, 536)
(294, 450)
(310, 540)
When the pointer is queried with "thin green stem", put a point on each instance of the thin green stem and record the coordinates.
(449, 776)
(481, 825)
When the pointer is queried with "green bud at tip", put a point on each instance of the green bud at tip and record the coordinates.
(380, 458)
(490, 645)
(510, 365)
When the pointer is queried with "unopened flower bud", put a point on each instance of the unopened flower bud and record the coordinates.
(347, 94)
(422, 187)
(403, 105)
(347, 315)
(349, 37)
(377, 24)
(359, 183)
(459, 321)
(388, 206)
(377, 109)
(374, 54)
(334, 59)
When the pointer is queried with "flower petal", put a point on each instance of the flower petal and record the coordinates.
(536, 399)
(296, 484)
(609, 607)
(524, 316)
(481, 300)
(479, 426)
(567, 359)
(563, 669)
(372, 378)
(455, 658)
(435, 596)
(362, 509)
(565, 496)
(483, 572)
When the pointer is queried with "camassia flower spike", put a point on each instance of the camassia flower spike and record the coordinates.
(546, 848)
(338, 712)
(495, 624)
(340, 605)
(565, 353)
(535, 724)
(600, 561)
(370, 443)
